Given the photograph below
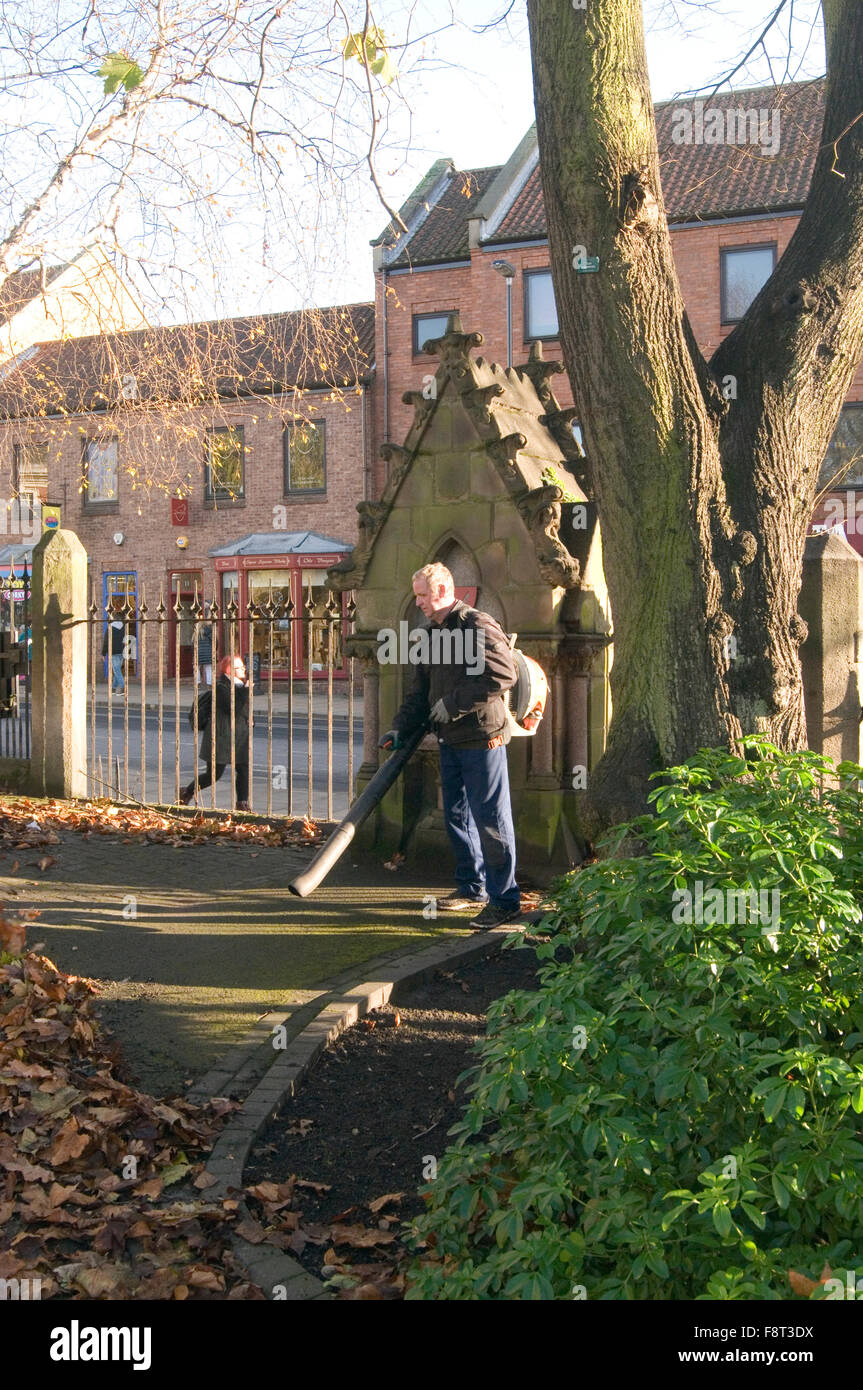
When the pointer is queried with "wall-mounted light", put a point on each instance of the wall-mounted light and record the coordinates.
(119, 538)
(182, 542)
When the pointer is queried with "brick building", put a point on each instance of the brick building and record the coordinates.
(732, 209)
(166, 446)
(127, 431)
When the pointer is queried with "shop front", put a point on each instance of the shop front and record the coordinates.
(16, 563)
(277, 581)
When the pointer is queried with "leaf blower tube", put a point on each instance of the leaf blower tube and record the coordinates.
(344, 832)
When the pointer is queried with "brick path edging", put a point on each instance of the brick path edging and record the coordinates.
(278, 1274)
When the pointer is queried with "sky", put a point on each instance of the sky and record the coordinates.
(470, 98)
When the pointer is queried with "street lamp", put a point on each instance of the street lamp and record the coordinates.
(508, 271)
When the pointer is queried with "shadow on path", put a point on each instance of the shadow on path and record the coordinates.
(191, 945)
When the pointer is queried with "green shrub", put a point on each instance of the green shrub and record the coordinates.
(674, 1114)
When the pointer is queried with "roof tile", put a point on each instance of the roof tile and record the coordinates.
(699, 181)
(194, 362)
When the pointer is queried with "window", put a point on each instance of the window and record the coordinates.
(428, 326)
(225, 466)
(321, 632)
(275, 585)
(120, 600)
(31, 472)
(306, 457)
(845, 448)
(187, 587)
(100, 472)
(742, 272)
(540, 310)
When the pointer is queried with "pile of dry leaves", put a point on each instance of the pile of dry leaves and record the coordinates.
(364, 1259)
(103, 1188)
(26, 824)
(87, 1163)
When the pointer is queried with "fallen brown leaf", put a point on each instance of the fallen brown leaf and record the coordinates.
(251, 1230)
(360, 1236)
(380, 1202)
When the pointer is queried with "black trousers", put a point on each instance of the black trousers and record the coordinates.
(241, 778)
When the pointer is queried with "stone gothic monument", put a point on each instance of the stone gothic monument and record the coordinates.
(489, 481)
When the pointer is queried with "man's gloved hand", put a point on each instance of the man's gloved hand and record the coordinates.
(439, 713)
(391, 739)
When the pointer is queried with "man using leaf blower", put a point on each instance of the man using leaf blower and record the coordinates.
(459, 686)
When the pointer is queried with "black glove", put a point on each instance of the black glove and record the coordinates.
(391, 739)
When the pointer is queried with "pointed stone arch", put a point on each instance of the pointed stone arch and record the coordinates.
(486, 482)
(467, 572)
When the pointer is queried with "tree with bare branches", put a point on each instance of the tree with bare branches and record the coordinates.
(190, 144)
(157, 128)
(705, 495)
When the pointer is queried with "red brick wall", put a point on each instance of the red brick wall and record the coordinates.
(169, 450)
(479, 293)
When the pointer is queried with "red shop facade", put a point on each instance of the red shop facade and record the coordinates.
(278, 568)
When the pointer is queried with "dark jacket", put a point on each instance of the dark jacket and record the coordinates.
(115, 628)
(470, 692)
(205, 646)
(222, 688)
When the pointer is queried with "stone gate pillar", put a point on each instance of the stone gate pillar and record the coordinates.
(58, 761)
(831, 603)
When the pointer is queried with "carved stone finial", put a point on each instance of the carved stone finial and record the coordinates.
(540, 509)
(455, 344)
(537, 370)
(564, 416)
(423, 404)
(371, 515)
(505, 451)
(478, 401)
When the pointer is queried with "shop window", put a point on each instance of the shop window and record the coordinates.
(320, 632)
(271, 586)
(225, 465)
(743, 270)
(428, 326)
(101, 474)
(306, 458)
(540, 310)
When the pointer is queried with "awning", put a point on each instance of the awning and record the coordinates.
(284, 543)
(13, 557)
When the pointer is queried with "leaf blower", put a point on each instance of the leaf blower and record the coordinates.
(525, 704)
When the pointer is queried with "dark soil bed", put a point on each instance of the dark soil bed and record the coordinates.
(376, 1106)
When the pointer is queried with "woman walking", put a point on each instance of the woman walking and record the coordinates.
(230, 669)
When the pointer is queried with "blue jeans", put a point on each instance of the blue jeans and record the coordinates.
(117, 672)
(478, 814)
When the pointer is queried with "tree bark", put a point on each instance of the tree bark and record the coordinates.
(704, 502)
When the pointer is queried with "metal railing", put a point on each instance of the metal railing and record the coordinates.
(15, 654)
(296, 732)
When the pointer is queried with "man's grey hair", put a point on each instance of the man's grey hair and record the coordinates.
(435, 574)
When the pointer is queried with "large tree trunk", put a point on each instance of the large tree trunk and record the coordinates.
(704, 502)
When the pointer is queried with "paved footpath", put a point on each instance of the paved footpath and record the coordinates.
(192, 945)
